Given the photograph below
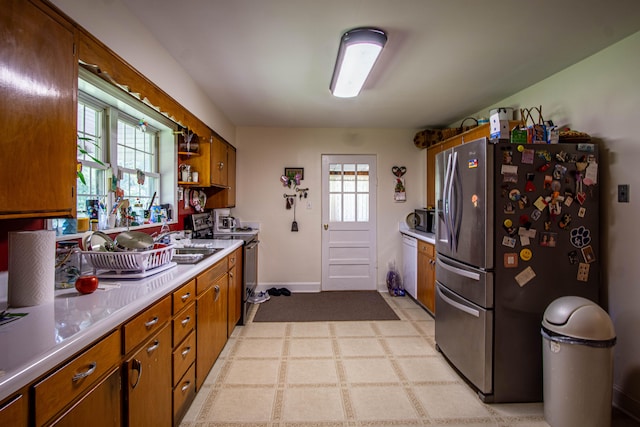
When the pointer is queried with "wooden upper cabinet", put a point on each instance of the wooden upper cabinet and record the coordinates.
(482, 131)
(38, 93)
(219, 163)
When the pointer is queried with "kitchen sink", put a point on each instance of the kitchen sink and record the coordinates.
(193, 255)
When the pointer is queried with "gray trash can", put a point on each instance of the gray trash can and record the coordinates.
(577, 357)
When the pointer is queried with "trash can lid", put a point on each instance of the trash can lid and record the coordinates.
(579, 318)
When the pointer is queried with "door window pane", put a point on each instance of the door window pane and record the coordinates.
(335, 207)
(349, 192)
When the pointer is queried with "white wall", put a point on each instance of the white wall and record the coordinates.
(601, 96)
(290, 259)
(114, 25)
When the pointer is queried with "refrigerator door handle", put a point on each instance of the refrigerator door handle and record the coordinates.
(461, 307)
(459, 271)
(453, 203)
(447, 200)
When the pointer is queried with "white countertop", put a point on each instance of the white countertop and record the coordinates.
(420, 235)
(51, 333)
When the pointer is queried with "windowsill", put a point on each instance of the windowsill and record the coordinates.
(113, 230)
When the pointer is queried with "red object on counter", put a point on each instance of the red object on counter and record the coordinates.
(87, 284)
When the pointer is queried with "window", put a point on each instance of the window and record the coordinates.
(123, 144)
(348, 192)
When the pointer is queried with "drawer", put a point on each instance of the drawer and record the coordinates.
(63, 386)
(206, 279)
(184, 323)
(183, 356)
(426, 248)
(146, 324)
(234, 257)
(184, 296)
(183, 394)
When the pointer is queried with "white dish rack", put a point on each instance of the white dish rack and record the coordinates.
(129, 261)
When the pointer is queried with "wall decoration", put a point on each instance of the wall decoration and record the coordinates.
(399, 194)
(293, 176)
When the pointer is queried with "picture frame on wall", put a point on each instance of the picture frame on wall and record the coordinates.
(292, 172)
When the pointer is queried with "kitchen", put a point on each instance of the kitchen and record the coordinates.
(562, 95)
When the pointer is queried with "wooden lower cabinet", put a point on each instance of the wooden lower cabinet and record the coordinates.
(184, 349)
(147, 371)
(211, 328)
(148, 391)
(14, 411)
(71, 383)
(235, 290)
(427, 276)
(101, 406)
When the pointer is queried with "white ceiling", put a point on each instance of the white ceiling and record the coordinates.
(269, 62)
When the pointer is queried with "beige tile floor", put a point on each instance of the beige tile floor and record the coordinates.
(325, 374)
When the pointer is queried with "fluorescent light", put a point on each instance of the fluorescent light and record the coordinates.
(358, 52)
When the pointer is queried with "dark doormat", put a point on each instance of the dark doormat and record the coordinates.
(325, 307)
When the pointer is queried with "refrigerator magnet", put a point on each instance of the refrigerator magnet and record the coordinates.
(583, 272)
(528, 156)
(580, 237)
(540, 204)
(588, 254)
(548, 239)
(582, 212)
(510, 260)
(526, 254)
(573, 257)
(509, 241)
(565, 220)
(525, 276)
(537, 213)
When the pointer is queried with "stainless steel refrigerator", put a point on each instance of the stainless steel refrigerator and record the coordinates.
(517, 227)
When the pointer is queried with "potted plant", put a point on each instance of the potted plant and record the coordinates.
(83, 149)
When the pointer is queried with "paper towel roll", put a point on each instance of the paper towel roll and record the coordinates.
(31, 275)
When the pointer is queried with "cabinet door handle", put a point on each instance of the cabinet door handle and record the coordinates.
(186, 386)
(231, 275)
(152, 322)
(136, 365)
(217, 289)
(85, 374)
(186, 320)
(221, 165)
(185, 352)
(185, 296)
(153, 348)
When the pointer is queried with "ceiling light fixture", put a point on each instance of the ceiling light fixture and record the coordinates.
(359, 49)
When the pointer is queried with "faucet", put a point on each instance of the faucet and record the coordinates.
(161, 236)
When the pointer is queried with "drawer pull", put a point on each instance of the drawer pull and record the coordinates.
(186, 386)
(185, 352)
(152, 322)
(217, 289)
(186, 321)
(136, 365)
(185, 296)
(85, 374)
(153, 348)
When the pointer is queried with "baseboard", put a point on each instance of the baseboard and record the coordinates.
(299, 287)
(626, 404)
(303, 287)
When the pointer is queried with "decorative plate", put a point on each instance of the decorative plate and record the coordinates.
(413, 220)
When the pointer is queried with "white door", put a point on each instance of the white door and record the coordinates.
(349, 222)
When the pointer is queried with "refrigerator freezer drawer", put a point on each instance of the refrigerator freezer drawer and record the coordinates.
(470, 283)
(464, 334)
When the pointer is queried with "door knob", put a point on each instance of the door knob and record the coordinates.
(326, 226)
